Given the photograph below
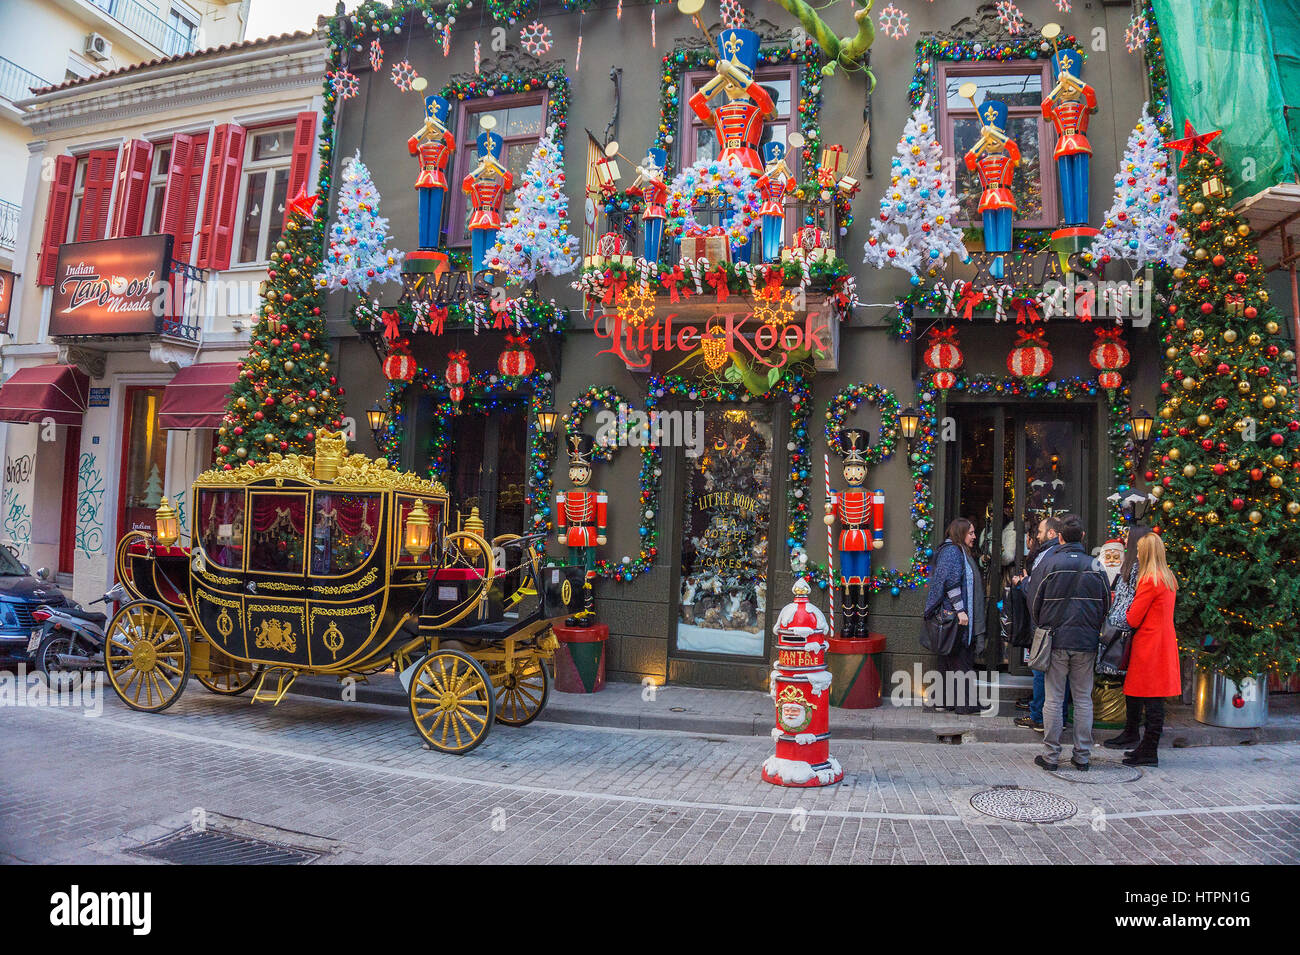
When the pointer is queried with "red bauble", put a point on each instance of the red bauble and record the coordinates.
(399, 367)
(516, 360)
(1238, 503)
(1200, 499)
(1207, 444)
(269, 401)
(1223, 368)
(1251, 311)
(1031, 358)
(1219, 469)
(1256, 474)
(1277, 440)
(1206, 308)
(1238, 701)
(1220, 403)
(943, 356)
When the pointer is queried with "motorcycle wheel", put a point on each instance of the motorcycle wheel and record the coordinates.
(47, 653)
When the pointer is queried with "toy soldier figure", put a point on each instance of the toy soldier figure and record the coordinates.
(738, 123)
(1069, 106)
(581, 523)
(862, 529)
(486, 184)
(650, 178)
(995, 158)
(434, 145)
(775, 182)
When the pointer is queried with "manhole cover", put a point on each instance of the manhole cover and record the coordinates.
(1099, 773)
(214, 847)
(1023, 805)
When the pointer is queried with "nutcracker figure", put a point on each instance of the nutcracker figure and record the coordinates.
(737, 123)
(994, 158)
(486, 184)
(581, 522)
(1069, 106)
(775, 182)
(861, 515)
(650, 179)
(434, 146)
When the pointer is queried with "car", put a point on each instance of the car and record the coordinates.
(21, 592)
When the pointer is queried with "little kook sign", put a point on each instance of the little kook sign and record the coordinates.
(769, 345)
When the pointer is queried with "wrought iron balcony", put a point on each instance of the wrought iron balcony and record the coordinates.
(17, 83)
(147, 25)
(9, 215)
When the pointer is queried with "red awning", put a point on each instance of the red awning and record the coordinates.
(197, 396)
(60, 392)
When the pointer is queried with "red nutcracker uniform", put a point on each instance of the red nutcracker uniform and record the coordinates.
(581, 521)
(1069, 107)
(996, 173)
(738, 123)
(433, 154)
(485, 196)
(433, 145)
(861, 515)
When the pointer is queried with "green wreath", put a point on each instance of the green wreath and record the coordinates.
(846, 401)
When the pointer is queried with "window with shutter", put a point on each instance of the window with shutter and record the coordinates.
(304, 152)
(56, 216)
(184, 182)
(224, 169)
(92, 219)
(265, 192)
(133, 189)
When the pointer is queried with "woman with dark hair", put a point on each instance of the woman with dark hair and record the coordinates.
(957, 586)
(1125, 587)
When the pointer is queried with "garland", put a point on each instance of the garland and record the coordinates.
(846, 401)
(932, 48)
(527, 314)
(710, 178)
(552, 78)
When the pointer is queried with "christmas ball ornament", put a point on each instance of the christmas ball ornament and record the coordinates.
(1275, 481)
(1255, 517)
(1031, 358)
(1203, 420)
(1293, 508)
(457, 372)
(516, 359)
(1109, 356)
(1238, 700)
(1238, 503)
(1271, 328)
(1189, 383)
(943, 356)
(1229, 336)
(1189, 470)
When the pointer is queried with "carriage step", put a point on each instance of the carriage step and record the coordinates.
(283, 680)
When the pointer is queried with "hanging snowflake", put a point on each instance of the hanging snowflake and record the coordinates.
(618, 12)
(1137, 34)
(1063, 6)
(733, 14)
(376, 55)
(1009, 15)
(653, 43)
(403, 75)
(344, 83)
(446, 39)
(893, 22)
(536, 38)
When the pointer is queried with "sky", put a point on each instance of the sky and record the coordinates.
(273, 17)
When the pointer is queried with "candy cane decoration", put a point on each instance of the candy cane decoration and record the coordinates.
(830, 549)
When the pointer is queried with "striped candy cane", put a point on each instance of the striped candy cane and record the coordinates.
(830, 549)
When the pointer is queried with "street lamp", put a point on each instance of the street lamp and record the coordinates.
(1141, 422)
(375, 418)
(547, 419)
(909, 420)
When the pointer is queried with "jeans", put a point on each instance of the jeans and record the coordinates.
(1036, 702)
(1075, 668)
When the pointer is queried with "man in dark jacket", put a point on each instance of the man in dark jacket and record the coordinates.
(1046, 540)
(1071, 597)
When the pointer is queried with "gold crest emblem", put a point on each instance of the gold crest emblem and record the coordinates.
(566, 592)
(276, 635)
(333, 638)
(225, 626)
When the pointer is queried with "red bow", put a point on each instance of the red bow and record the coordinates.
(970, 297)
(1114, 332)
(717, 279)
(614, 286)
(457, 357)
(1026, 310)
(517, 341)
(773, 280)
(1030, 336)
(399, 346)
(437, 319)
(938, 335)
(670, 281)
(714, 230)
(392, 329)
(1085, 297)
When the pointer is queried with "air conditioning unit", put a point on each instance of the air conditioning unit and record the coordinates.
(98, 47)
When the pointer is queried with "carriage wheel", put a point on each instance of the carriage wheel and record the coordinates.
(231, 682)
(452, 701)
(147, 656)
(522, 691)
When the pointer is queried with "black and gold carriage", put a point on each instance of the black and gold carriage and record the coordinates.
(339, 565)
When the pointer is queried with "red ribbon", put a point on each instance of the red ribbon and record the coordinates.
(717, 279)
(1114, 332)
(670, 281)
(614, 286)
(457, 358)
(391, 327)
(1084, 299)
(970, 297)
(517, 341)
(437, 319)
(939, 335)
(1031, 336)
(772, 283)
(1025, 310)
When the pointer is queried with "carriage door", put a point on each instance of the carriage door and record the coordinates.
(275, 602)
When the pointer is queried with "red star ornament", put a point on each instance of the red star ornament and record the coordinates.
(303, 203)
(1193, 143)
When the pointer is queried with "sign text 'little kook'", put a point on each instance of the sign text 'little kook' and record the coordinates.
(740, 332)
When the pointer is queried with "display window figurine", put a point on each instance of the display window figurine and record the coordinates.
(486, 185)
(738, 122)
(773, 185)
(861, 515)
(654, 192)
(1068, 107)
(434, 146)
(580, 520)
(994, 159)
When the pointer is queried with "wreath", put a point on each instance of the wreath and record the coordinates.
(710, 177)
(846, 401)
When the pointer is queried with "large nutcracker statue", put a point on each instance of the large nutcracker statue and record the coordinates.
(775, 182)
(861, 514)
(654, 192)
(486, 185)
(434, 146)
(1068, 106)
(580, 519)
(994, 158)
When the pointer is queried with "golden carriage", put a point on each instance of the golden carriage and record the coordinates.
(339, 565)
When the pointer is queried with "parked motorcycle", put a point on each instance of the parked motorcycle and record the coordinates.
(71, 638)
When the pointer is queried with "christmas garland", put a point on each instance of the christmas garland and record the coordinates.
(846, 402)
(932, 48)
(711, 177)
(552, 78)
(527, 314)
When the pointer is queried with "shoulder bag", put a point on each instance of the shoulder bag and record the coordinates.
(1114, 650)
(940, 632)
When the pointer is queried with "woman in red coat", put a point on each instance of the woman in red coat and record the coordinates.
(1153, 662)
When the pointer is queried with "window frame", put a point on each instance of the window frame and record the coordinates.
(326, 493)
(155, 200)
(75, 202)
(257, 167)
(1048, 186)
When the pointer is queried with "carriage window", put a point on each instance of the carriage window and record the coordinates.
(277, 530)
(404, 505)
(343, 532)
(221, 527)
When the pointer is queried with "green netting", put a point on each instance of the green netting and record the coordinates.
(1283, 20)
(1222, 75)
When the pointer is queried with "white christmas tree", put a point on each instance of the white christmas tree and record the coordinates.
(915, 230)
(1142, 224)
(358, 255)
(152, 488)
(535, 238)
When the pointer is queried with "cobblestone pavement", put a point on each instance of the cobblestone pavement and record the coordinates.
(352, 778)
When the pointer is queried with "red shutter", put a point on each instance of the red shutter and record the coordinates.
(304, 152)
(181, 200)
(224, 167)
(56, 216)
(92, 219)
(133, 189)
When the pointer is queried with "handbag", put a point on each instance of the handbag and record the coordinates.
(1040, 650)
(1114, 650)
(1018, 630)
(940, 633)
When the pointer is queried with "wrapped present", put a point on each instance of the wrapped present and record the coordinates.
(834, 164)
(849, 186)
(606, 175)
(624, 259)
(810, 255)
(611, 243)
(1235, 304)
(713, 247)
(810, 237)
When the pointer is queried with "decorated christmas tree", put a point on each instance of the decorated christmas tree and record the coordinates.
(1228, 458)
(535, 240)
(915, 230)
(285, 393)
(358, 255)
(1141, 226)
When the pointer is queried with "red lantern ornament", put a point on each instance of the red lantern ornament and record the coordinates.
(943, 356)
(457, 374)
(1109, 356)
(399, 365)
(516, 360)
(1031, 358)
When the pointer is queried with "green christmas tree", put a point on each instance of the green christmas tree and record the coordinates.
(1228, 459)
(285, 392)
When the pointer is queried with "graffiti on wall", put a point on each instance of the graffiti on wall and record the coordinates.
(90, 507)
(17, 522)
(19, 470)
(179, 503)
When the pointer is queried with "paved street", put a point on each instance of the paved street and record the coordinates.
(351, 780)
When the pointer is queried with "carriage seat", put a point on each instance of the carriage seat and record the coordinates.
(454, 585)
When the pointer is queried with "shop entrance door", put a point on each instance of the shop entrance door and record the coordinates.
(1009, 467)
(488, 468)
(144, 461)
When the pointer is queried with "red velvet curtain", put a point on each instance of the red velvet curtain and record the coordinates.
(349, 515)
(270, 509)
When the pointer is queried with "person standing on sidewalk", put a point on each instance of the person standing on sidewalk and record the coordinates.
(1121, 599)
(1153, 662)
(958, 586)
(1071, 602)
(1046, 540)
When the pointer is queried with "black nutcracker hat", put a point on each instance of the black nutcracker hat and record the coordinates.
(580, 449)
(853, 442)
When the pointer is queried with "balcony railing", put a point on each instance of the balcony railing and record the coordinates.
(147, 25)
(17, 83)
(9, 214)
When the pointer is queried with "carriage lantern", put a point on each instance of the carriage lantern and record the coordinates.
(547, 418)
(417, 535)
(167, 528)
(908, 421)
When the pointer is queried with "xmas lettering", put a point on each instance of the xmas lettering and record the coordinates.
(769, 345)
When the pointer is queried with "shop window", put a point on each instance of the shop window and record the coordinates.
(78, 196)
(278, 533)
(144, 460)
(221, 527)
(264, 191)
(1022, 85)
(781, 83)
(344, 529)
(155, 204)
(436, 522)
(520, 123)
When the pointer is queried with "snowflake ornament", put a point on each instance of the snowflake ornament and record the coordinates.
(376, 55)
(733, 14)
(344, 84)
(1063, 6)
(893, 22)
(536, 38)
(1137, 34)
(1009, 15)
(403, 75)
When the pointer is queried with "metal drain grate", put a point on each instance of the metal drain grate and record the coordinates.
(214, 847)
(1023, 805)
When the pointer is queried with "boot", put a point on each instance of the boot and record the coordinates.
(587, 615)
(863, 633)
(847, 618)
(1130, 735)
(1145, 753)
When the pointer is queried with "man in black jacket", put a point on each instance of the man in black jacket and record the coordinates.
(1072, 601)
(1046, 540)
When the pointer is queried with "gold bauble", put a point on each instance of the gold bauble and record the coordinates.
(1182, 188)
(1158, 491)
(1270, 327)
(1230, 335)
(1212, 517)
(1198, 207)
(293, 418)
(1268, 401)
(1174, 454)
(1198, 334)
(1293, 508)
(1243, 230)
(1203, 420)
(1255, 517)
(1233, 464)
(221, 430)
(241, 452)
(1230, 241)
(311, 410)
(1189, 383)
(1180, 273)
(1280, 391)
(281, 245)
(241, 402)
(1243, 387)
(1171, 352)
(1166, 412)
(1253, 338)
(269, 439)
(1263, 295)
(1274, 480)
(1288, 355)
(1189, 470)
(1201, 255)
(1279, 461)
(1167, 506)
(266, 363)
(288, 366)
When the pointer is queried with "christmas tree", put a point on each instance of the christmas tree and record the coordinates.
(915, 230)
(357, 256)
(535, 239)
(153, 488)
(285, 392)
(1228, 467)
(1141, 225)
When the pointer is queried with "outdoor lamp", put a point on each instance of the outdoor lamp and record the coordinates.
(167, 528)
(547, 418)
(1141, 422)
(909, 419)
(375, 418)
(416, 537)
